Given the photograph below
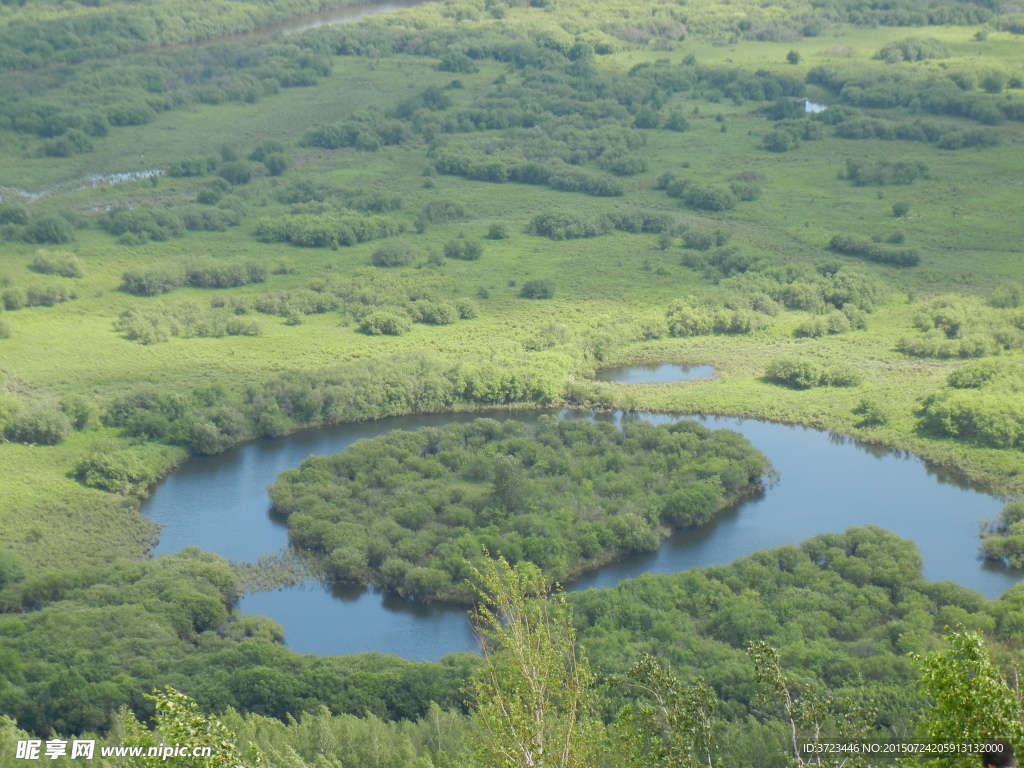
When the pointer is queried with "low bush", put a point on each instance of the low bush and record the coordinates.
(802, 373)
(538, 289)
(385, 324)
(57, 263)
(39, 426)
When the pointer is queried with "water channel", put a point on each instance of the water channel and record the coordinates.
(828, 483)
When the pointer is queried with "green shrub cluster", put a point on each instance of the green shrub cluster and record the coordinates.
(385, 324)
(538, 289)
(833, 323)
(154, 326)
(40, 425)
(213, 419)
(47, 229)
(913, 49)
(57, 263)
(153, 281)
(849, 245)
(124, 471)
(569, 226)
(302, 300)
(925, 90)
(367, 130)
(35, 295)
(804, 373)
(566, 178)
(689, 319)
(982, 404)
(991, 418)
(327, 230)
(881, 173)
(461, 248)
(510, 488)
(787, 134)
(854, 127)
(699, 197)
(1004, 538)
(639, 221)
(952, 326)
(394, 253)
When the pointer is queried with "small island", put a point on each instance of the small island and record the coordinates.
(408, 511)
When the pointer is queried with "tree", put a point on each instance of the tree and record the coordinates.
(534, 692)
(180, 723)
(811, 715)
(974, 702)
(676, 730)
(510, 483)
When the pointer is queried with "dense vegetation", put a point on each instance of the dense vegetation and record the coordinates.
(411, 511)
(473, 204)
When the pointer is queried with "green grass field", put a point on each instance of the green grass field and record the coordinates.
(964, 220)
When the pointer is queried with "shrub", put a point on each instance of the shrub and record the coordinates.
(698, 240)
(802, 373)
(467, 250)
(883, 172)
(236, 172)
(265, 149)
(872, 414)
(457, 61)
(213, 275)
(913, 49)
(57, 263)
(193, 166)
(40, 426)
(866, 249)
(435, 313)
(276, 164)
(497, 232)
(394, 253)
(117, 472)
(47, 295)
(144, 223)
(13, 213)
(385, 323)
(538, 289)
(49, 230)
(900, 209)
(974, 375)
(567, 226)
(778, 141)
(467, 309)
(5, 329)
(439, 211)
(153, 281)
(13, 299)
(708, 198)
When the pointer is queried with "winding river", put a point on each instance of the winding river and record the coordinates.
(828, 483)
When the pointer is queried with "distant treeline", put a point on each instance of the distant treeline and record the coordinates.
(213, 419)
(35, 36)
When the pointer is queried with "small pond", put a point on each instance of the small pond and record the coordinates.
(656, 373)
